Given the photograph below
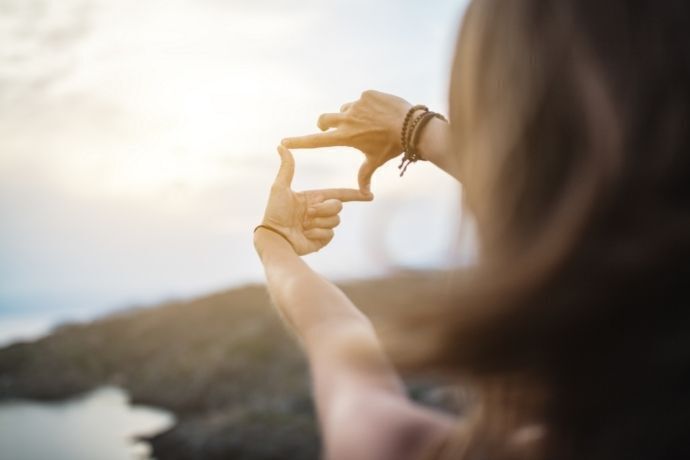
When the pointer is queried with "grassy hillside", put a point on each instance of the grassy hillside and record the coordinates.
(224, 364)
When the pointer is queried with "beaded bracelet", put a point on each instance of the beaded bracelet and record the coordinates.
(410, 155)
(406, 122)
(411, 132)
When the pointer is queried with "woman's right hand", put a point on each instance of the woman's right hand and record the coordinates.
(372, 124)
(305, 219)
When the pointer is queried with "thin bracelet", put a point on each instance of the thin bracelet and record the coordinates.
(274, 230)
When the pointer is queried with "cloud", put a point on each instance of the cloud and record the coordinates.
(137, 138)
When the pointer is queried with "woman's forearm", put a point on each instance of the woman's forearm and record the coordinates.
(434, 146)
(306, 300)
(339, 340)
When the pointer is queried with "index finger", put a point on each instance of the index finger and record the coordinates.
(287, 167)
(364, 176)
(325, 208)
(345, 194)
(312, 141)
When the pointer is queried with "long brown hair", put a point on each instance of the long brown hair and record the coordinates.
(572, 122)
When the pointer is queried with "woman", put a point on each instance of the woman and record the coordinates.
(570, 132)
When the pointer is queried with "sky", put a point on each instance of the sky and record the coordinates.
(137, 144)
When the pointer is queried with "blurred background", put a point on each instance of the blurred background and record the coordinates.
(137, 144)
(137, 148)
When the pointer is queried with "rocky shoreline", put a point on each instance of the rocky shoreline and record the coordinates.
(223, 364)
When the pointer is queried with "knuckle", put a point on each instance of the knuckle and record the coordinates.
(370, 93)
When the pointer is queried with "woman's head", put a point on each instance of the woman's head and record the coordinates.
(572, 122)
(567, 104)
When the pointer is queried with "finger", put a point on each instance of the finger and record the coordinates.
(323, 222)
(344, 194)
(364, 177)
(320, 234)
(312, 141)
(287, 167)
(325, 209)
(325, 241)
(345, 107)
(330, 120)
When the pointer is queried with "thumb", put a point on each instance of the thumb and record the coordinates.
(365, 172)
(287, 167)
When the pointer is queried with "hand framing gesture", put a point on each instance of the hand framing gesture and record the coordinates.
(371, 124)
(305, 219)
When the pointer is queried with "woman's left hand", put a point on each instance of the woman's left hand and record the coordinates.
(306, 219)
(371, 124)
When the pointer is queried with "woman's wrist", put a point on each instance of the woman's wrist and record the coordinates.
(266, 240)
(423, 136)
(433, 143)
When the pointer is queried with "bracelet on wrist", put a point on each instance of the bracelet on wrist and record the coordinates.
(406, 122)
(411, 133)
(274, 230)
(417, 133)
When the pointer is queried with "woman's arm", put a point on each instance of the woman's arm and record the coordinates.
(300, 223)
(362, 406)
(373, 125)
(324, 319)
(361, 402)
(434, 146)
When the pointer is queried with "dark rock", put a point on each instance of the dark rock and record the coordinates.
(224, 364)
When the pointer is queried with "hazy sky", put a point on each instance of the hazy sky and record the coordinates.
(137, 141)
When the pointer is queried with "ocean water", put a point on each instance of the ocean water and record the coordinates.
(98, 425)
